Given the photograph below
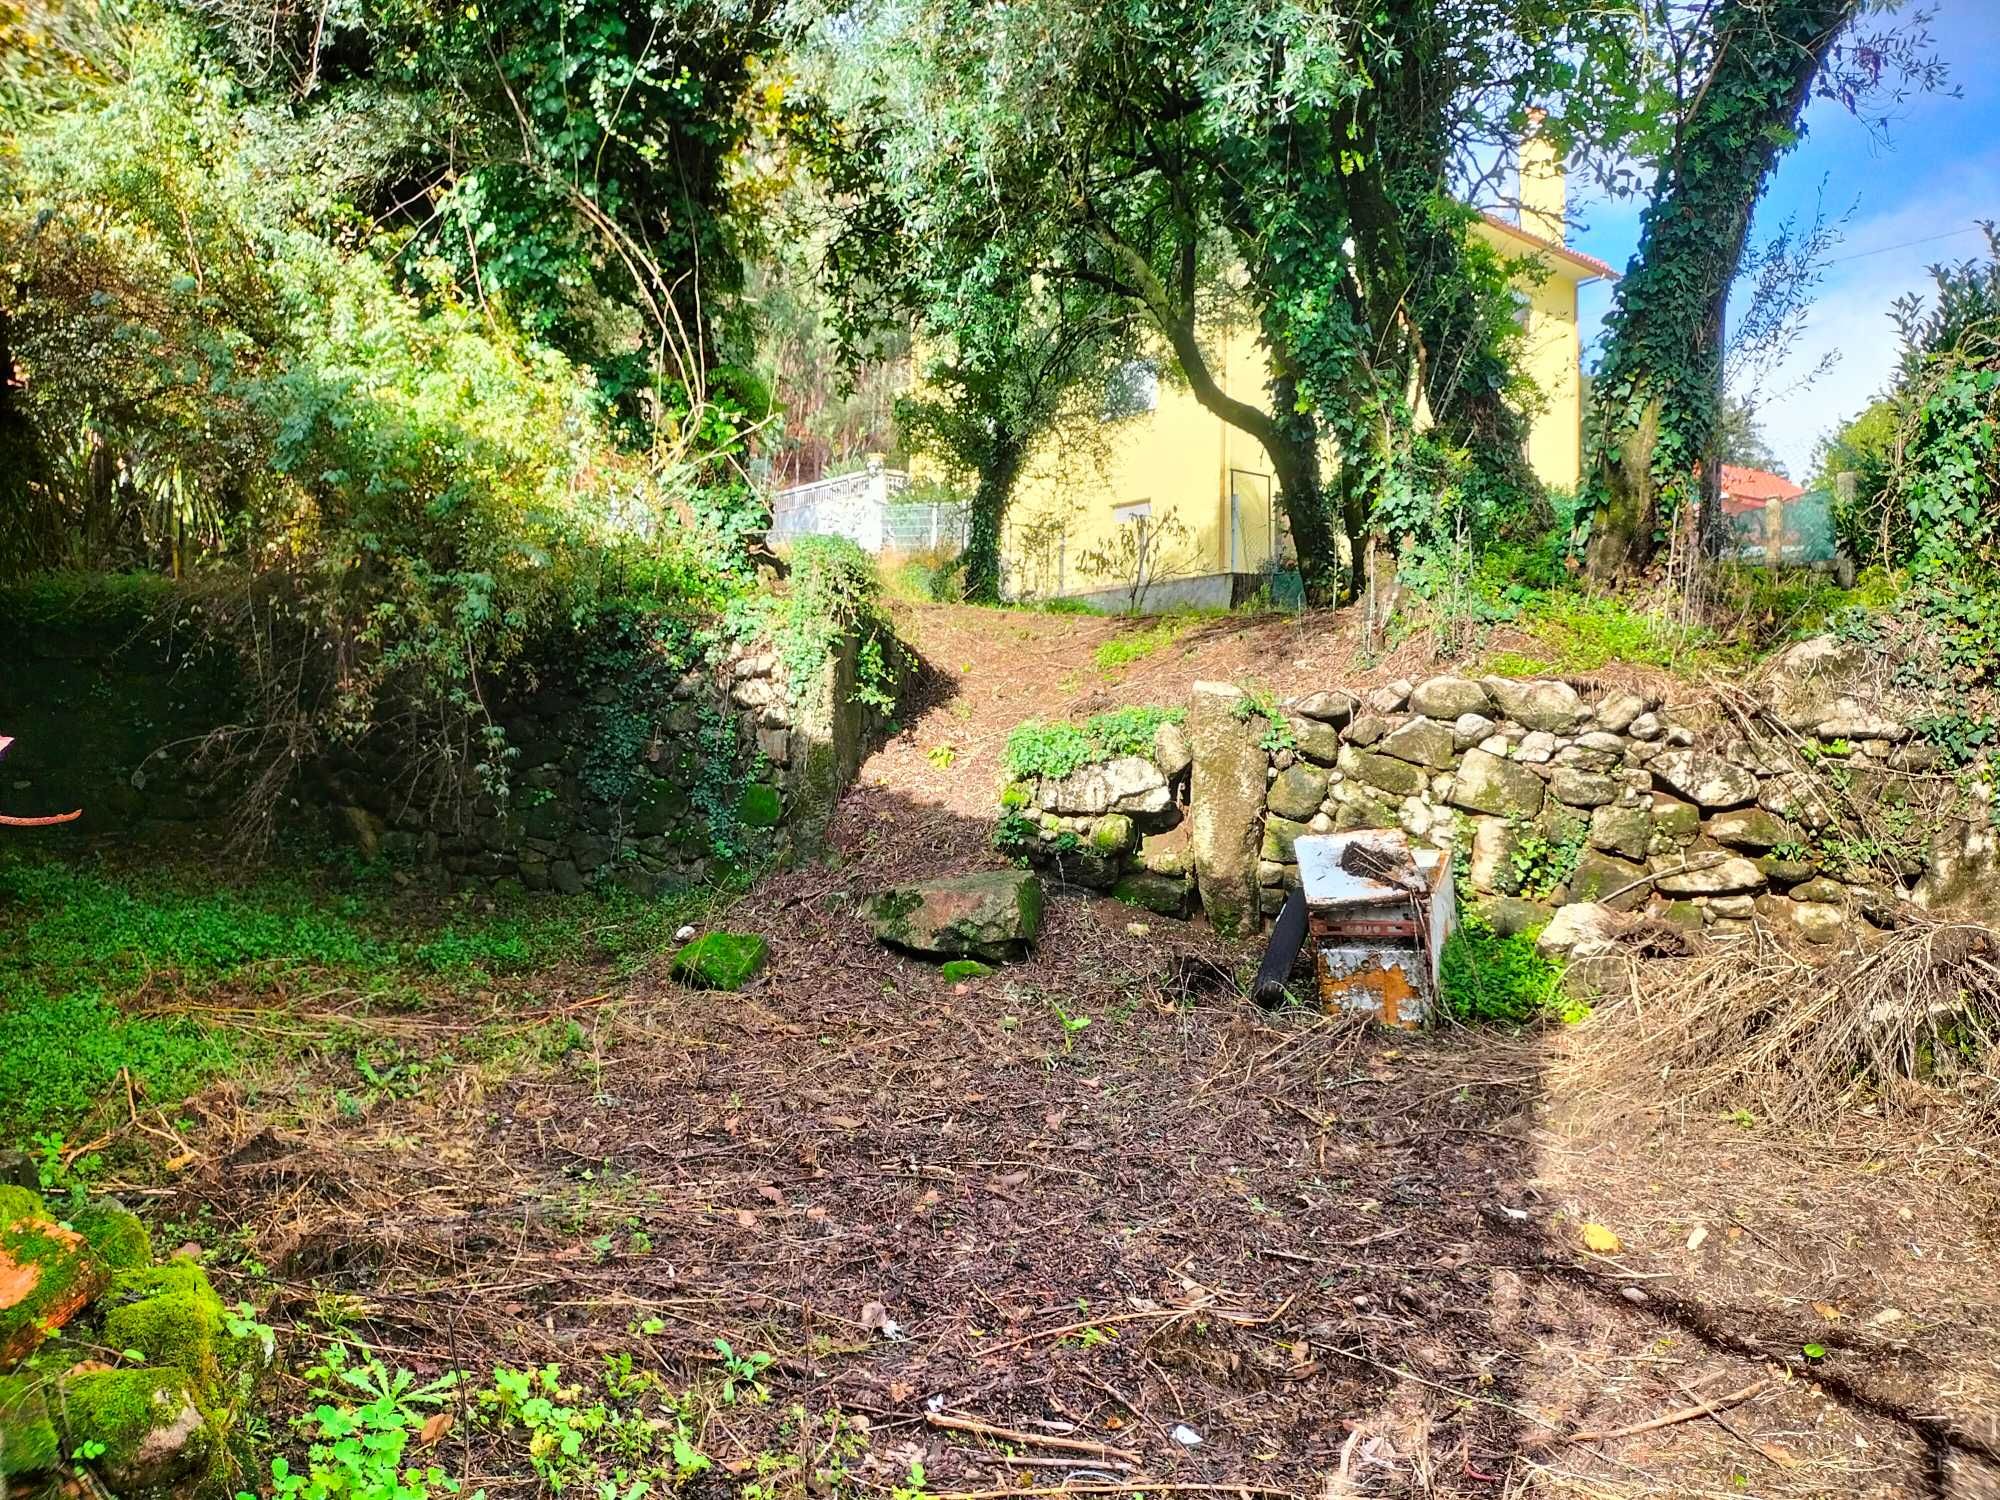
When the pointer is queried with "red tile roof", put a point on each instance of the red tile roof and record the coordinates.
(1589, 263)
(1748, 489)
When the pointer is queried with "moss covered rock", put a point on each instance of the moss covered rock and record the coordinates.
(146, 1428)
(171, 1315)
(760, 806)
(48, 1273)
(1169, 895)
(115, 1235)
(990, 914)
(28, 1442)
(720, 960)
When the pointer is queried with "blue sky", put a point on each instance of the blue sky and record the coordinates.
(1936, 172)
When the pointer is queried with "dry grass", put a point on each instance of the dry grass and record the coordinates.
(1905, 1024)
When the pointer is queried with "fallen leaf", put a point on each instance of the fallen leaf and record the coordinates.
(773, 1194)
(1885, 1317)
(1010, 1179)
(901, 1391)
(843, 1122)
(1828, 1311)
(746, 1219)
(182, 1162)
(1700, 1234)
(815, 1213)
(1600, 1240)
(435, 1426)
(873, 1316)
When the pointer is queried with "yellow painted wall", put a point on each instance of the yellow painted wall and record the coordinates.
(1182, 461)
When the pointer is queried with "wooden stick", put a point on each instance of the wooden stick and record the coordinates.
(1679, 1414)
(1033, 1439)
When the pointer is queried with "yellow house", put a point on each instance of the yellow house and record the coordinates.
(1200, 493)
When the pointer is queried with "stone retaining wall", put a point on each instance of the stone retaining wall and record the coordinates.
(1547, 795)
(620, 764)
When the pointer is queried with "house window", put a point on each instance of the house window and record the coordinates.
(1523, 308)
(1134, 389)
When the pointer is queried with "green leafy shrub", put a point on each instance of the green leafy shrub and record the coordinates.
(1054, 750)
(1541, 861)
(361, 1432)
(1483, 977)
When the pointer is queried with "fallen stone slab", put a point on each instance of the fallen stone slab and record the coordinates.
(988, 914)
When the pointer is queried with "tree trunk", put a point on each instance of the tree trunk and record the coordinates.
(1655, 397)
(989, 508)
(1293, 446)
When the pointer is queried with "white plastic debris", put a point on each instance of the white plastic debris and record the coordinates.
(1186, 1436)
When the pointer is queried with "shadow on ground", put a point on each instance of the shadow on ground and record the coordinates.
(1188, 1243)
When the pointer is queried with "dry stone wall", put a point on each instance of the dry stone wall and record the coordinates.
(1546, 795)
(620, 765)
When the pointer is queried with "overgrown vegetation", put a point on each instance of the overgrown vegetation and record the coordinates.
(1925, 465)
(400, 440)
(1486, 978)
(1054, 750)
(88, 1039)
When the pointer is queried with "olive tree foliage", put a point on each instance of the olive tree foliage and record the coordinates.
(1011, 365)
(1740, 74)
(1267, 163)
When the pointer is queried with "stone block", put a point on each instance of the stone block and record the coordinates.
(1551, 706)
(1708, 781)
(989, 914)
(1421, 742)
(1487, 784)
(1226, 807)
(1449, 697)
(1297, 792)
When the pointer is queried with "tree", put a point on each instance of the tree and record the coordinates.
(576, 165)
(1745, 70)
(1269, 162)
(1012, 364)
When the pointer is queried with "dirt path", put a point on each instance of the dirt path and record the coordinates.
(1187, 1244)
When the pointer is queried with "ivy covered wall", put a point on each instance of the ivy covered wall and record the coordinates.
(630, 747)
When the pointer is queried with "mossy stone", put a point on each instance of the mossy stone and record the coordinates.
(965, 968)
(153, 1431)
(760, 806)
(27, 1437)
(720, 960)
(171, 1315)
(116, 1235)
(1111, 834)
(1169, 895)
